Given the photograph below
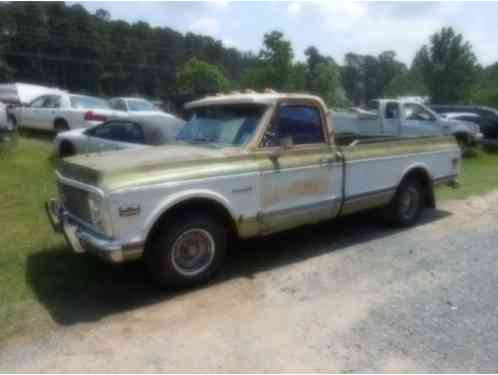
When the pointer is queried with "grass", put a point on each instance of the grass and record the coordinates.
(43, 285)
(478, 175)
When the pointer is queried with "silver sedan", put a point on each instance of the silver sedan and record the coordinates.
(124, 133)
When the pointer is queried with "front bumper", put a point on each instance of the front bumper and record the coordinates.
(83, 240)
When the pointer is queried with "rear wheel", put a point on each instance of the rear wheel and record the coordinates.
(406, 206)
(187, 251)
(61, 126)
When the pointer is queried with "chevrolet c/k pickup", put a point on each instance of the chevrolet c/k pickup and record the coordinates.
(244, 165)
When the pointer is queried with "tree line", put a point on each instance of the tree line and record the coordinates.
(66, 46)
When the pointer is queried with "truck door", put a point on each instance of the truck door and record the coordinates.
(417, 121)
(300, 177)
(392, 119)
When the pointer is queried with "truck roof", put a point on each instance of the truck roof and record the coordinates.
(267, 98)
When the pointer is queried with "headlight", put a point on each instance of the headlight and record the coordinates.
(95, 207)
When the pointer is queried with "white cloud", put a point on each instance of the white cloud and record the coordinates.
(294, 8)
(206, 25)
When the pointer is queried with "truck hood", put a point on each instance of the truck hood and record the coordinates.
(114, 170)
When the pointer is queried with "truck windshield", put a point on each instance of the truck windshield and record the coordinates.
(222, 125)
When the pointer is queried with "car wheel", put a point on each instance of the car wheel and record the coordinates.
(66, 149)
(407, 204)
(61, 126)
(187, 251)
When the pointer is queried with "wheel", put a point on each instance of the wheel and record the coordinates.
(66, 149)
(61, 126)
(406, 206)
(187, 251)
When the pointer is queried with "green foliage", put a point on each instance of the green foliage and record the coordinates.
(365, 77)
(448, 67)
(487, 97)
(63, 45)
(200, 78)
(274, 65)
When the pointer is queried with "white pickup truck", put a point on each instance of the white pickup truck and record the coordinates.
(244, 165)
(403, 118)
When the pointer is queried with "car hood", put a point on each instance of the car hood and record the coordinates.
(456, 126)
(113, 170)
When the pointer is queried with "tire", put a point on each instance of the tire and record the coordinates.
(60, 126)
(407, 204)
(177, 246)
(66, 149)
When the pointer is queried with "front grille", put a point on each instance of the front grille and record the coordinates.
(75, 201)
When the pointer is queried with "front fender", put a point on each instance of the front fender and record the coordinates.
(176, 198)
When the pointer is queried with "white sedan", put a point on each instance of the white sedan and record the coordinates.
(129, 132)
(137, 106)
(61, 111)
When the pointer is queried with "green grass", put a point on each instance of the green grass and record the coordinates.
(478, 175)
(42, 284)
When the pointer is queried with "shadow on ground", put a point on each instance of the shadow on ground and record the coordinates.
(82, 289)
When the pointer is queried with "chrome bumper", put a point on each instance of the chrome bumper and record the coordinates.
(82, 240)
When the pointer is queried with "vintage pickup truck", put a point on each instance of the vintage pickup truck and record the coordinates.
(244, 165)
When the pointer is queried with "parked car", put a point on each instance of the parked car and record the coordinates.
(137, 106)
(247, 165)
(61, 111)
(117, 134)
(485, 117)
(390, 117)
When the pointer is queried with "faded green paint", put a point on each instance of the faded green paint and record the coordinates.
(176, 163)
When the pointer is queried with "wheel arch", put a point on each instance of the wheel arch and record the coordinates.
(207, 201)
(59, 120)
(421, 173)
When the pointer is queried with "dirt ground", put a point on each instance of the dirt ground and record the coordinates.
(347, 295)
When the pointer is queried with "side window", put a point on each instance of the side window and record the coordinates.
(120, 131)
(38, 102)
(392, 111)
(417, 113)
(53, 101)
(297, 125)
(118, 104)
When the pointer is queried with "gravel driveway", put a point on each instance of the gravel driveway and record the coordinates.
(348, 295)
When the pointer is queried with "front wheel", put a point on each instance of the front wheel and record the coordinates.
(406, 206)
(187, 251)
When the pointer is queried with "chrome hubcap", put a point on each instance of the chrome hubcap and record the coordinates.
(193, 252)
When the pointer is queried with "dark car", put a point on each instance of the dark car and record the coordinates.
(487, 118)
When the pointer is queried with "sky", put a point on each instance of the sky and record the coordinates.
(334, 27)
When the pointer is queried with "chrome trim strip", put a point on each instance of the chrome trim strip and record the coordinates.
(79, 185)
(400, 156)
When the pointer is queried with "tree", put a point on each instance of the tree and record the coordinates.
(198, 78)
(447, 66)
(274, 65)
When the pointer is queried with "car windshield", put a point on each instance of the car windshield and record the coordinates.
(88, 102)
(136, 105)
(223, 125)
